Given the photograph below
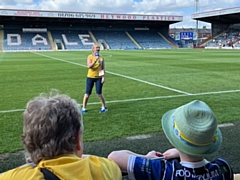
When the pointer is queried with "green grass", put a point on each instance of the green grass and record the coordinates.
(135, 105)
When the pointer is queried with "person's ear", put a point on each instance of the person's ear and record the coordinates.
(78, 141)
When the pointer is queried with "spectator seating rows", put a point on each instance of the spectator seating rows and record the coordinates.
(17, 40)
(149, 39)
(82, 39)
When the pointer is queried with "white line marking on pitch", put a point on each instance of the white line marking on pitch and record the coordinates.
(166, 97)
(9, 111)
(217, 92)
(142, 99)
(138, 137)
(225, 125)
(116, 74)
(146, 136)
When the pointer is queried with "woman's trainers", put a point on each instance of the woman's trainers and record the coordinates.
(84, 111)
(103, 110)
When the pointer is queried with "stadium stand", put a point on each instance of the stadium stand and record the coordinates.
(149, 40)
(81, 39)
(72, 40)
(78, 31)
(111, 39)
(115, 39)
(228, 39)
(224, 26)
(114, 31)
(18, 40)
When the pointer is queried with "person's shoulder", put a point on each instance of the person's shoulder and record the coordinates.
(100, 159)
(90, 56)
(25, 172)
(220, 161)
(222, 164)
(105, 164)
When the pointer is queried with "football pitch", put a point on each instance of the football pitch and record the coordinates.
(140, 87)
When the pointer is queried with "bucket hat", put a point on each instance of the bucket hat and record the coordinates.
(192, 129)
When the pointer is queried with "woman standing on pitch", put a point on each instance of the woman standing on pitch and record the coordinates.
(96, 71)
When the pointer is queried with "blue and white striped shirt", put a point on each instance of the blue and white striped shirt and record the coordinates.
(149, 169)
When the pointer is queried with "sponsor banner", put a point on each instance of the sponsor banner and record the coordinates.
(79, 15)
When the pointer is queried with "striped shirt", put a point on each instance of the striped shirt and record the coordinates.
(149, 169)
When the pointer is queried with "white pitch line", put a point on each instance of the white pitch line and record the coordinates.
(116, 74)
(146, 136)
(142, 99)
(146, 82)
(166, 97)
(218, 92)
(225, 125)
(139, 137)
(9, 111)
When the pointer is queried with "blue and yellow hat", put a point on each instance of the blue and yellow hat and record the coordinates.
(192, 129)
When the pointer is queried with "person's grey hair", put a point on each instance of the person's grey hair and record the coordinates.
(50, 126)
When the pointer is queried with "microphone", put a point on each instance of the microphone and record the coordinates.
(97, 55)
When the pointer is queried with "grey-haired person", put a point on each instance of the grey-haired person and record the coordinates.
(53, 137)
(192, 129)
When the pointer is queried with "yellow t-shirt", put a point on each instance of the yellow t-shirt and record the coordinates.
(68, 167)
(93, 72)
